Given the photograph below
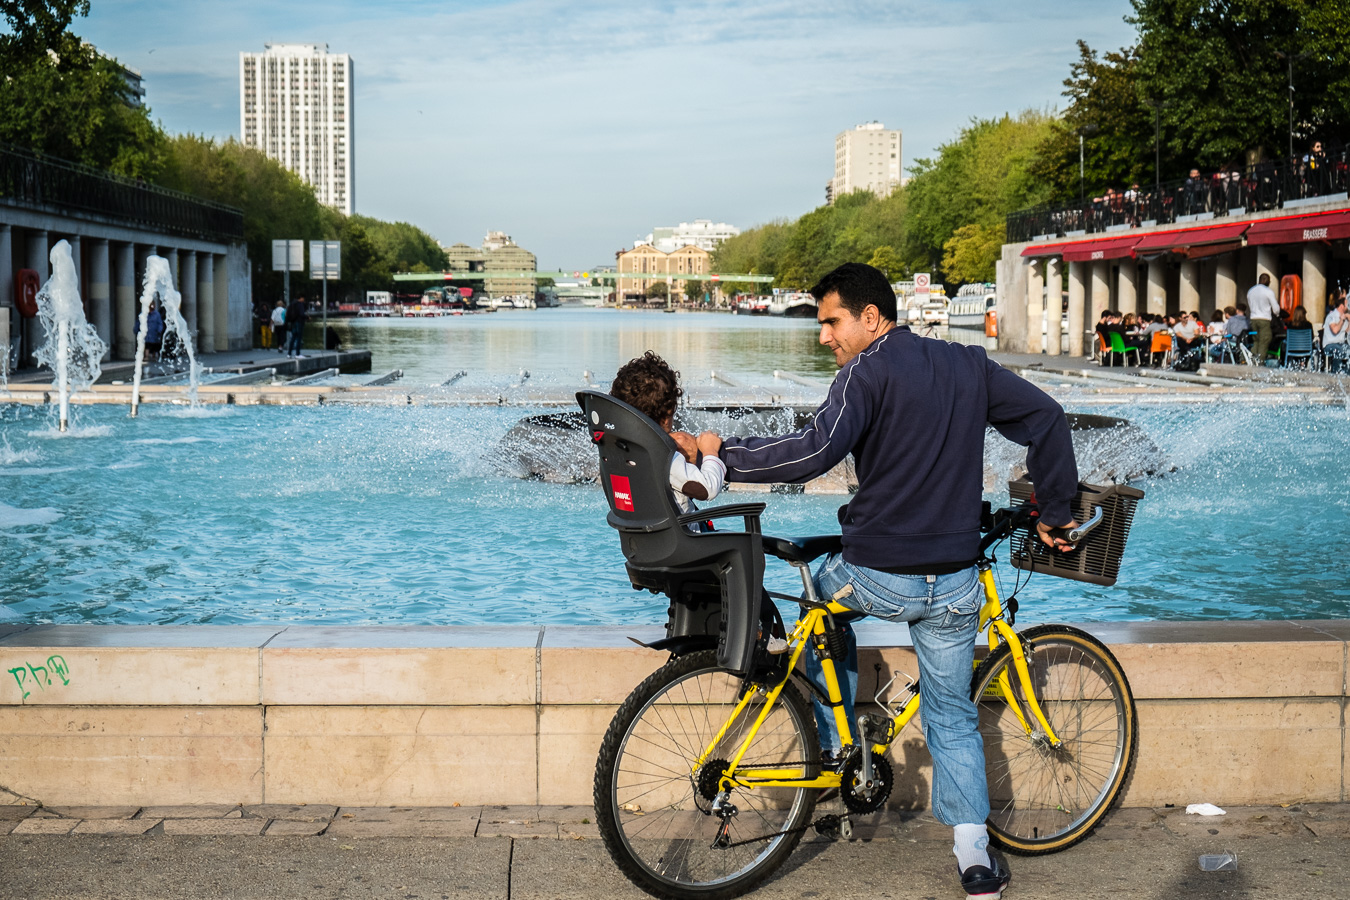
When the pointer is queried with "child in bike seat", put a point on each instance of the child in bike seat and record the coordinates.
(651, 386)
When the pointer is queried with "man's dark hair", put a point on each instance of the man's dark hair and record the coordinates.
(650, 385)
(858, 286)
(1264, 279)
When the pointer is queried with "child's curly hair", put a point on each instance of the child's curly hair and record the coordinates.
(649, 384)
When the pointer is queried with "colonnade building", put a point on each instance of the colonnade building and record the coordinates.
(113, 225)
(1198, 262)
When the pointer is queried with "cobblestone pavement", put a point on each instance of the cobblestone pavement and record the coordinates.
(541, 852)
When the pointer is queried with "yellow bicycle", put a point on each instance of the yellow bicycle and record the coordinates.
(707, 779)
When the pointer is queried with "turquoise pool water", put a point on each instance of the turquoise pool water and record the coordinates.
(403, 516)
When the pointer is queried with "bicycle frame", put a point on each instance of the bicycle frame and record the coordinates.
(811, 629)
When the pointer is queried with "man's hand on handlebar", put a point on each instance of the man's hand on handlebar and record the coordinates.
(1053, 535)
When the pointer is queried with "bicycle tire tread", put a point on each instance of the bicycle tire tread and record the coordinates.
(1076, 835)
(609, 748)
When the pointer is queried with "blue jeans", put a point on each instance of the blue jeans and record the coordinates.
(297, 335)
(943, 613)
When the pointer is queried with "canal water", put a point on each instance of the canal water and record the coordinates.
(407, 515)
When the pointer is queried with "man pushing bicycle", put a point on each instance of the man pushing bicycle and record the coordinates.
(913, 413)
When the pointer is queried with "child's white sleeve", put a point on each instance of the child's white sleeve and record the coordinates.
(711, 475)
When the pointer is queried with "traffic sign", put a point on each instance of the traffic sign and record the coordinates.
(922, 280)
(325, 260)
(288, 256)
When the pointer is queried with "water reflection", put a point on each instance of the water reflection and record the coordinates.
(558, 344)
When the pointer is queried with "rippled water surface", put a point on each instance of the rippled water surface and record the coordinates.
(347, 515)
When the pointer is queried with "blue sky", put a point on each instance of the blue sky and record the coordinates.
(578, 127)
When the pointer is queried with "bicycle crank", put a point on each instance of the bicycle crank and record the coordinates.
(860, 793)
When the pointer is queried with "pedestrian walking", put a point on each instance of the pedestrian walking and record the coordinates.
(295, 323)
(279, 326)
(1264, 306)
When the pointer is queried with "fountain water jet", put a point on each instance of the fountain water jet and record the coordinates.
(159, 280)
(72, 349)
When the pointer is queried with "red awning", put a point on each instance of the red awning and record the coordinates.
(1045, 248)
(1177, 239)
(1101, 248)
(1114, 247)
(1328, 226)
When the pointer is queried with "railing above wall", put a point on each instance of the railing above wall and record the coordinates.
(1264, 186)
(43, 182)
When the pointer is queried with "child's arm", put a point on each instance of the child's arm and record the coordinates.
(700, 482)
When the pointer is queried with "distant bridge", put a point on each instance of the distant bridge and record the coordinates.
(579, 274)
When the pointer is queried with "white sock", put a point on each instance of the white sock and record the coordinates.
(972, 846)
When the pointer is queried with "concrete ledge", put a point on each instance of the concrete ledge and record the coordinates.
(1241, 713)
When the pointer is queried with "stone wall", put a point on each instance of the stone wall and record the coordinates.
(1230, 712)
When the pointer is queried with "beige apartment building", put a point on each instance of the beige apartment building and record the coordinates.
(865, 157)
(644, 265)
(498, 254)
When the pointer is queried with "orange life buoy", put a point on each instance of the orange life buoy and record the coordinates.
(1291, 292)
(26, 286)
(991, 324)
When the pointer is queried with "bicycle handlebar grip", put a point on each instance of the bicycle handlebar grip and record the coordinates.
(1073, 536)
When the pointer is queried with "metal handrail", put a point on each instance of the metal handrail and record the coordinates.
(44, 182)
(1263, 186)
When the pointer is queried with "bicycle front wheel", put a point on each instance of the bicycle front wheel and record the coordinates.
(654, 803)
(1044, 798)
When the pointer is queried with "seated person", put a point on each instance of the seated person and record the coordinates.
(1187, 333)
(651, 386)
(1335, 331)
(1238, 324)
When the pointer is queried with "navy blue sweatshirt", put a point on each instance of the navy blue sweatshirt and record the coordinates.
(913, 412)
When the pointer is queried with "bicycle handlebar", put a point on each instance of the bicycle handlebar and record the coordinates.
(1005, 520)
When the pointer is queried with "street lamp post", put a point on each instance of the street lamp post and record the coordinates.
(1291, 58)
(1083, 130)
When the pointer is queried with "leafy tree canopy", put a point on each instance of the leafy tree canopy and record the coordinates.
(1216, 64)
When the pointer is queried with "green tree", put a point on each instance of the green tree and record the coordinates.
(60, 97)
(1107, 106)
(887, 260)
(976, 180)
(971, 252)
(657, 290)
(1215, 63)
(694, 291)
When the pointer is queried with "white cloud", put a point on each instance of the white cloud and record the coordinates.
(579, 128)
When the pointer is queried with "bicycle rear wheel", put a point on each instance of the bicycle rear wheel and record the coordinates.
(1043, 799)
(654, 806)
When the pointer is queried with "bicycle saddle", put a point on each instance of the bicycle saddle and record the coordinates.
(803, 549)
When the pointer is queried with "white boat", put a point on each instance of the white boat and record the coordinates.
(968, 308)
(792, 304)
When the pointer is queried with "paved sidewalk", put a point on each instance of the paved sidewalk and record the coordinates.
(521, 852)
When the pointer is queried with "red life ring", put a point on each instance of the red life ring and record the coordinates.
(26, 286)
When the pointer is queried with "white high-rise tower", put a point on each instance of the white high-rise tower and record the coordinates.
(866, 157)
(295, 105)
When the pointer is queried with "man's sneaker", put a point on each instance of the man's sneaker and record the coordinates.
(984, 883)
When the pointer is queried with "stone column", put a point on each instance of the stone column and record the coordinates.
(143, 253)
(77, 259)
(1190, 285)
(172, 256)
(99, 297)
(1267, 263)
(124, 301)
(38, 261)
(187, 284)
(1225, 280)
(1077, 296)
(1156, 300)
(1315, 281)
(6, 294)
(206, 303)
(1035, 305)
(1101, 292)
(221, 289)
(1054, 306)
(1127, 287)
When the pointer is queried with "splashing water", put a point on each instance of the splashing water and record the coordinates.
(159, 282)
(72, 349)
